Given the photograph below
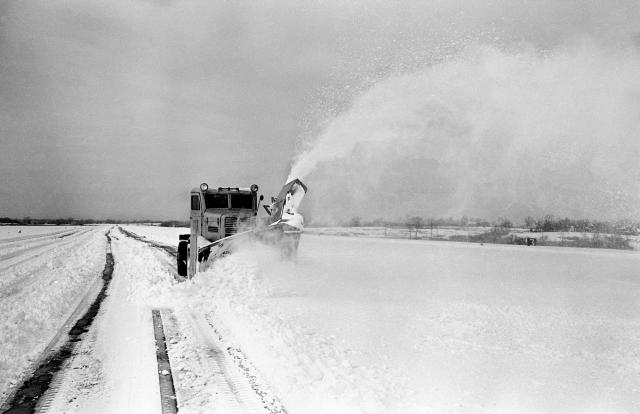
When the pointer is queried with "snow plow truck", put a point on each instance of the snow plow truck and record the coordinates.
(223, 217)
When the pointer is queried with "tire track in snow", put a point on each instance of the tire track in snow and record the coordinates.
(17, 283)
(28, 397)
(269, 401)
(31, 252)
(13, 283)
(243, 385)
(168, 400)
(173, 251)
(18, 248)
(236, 396)
(33, 237)
(170, 250)
(244, 392)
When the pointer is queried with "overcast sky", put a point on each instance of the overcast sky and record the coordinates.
(116, 109)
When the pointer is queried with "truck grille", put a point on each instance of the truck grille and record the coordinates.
(231, 225)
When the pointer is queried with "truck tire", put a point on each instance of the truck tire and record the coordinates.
(183, 257)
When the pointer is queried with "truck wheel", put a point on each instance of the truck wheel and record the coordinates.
(183, 257)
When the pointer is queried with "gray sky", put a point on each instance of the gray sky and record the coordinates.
(116, 109)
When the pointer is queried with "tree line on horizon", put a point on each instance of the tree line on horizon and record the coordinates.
(547, 223)
(70, 221)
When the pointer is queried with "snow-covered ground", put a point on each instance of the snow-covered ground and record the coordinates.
(164, 235)
(114, 370)
(11, 233)
(44, 272)
(384, 325)
(354, 325)
(446, 233)
(441, 233)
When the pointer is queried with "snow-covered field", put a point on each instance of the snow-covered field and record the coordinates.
(44, 272)
(164, 235)
(461, 233)
(354, 325)
(12, 233)
(441, 233)
(383, 325)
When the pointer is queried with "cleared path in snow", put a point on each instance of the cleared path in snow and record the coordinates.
(115, 370)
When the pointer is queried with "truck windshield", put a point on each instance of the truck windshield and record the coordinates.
(216, 200)
(241, 201)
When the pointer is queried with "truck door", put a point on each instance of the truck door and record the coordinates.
(195, 224)
(195, 205)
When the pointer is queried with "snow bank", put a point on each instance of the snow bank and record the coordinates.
(308, 371)
(39, 294)
(163, 235)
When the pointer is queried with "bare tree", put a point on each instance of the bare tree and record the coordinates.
(414, 224)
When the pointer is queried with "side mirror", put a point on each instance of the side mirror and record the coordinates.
(258, 206)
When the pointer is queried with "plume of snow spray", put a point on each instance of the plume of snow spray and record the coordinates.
(487, 133)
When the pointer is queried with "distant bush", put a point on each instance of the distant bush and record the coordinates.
(502, 236)
(495, 235)
(174, 223)
(551, 224)
(612, 241)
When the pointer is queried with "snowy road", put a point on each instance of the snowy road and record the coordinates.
(354, 326)
(114, 369)
(45, 273)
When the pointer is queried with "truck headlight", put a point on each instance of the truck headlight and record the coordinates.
(254, 188)
(204, 187)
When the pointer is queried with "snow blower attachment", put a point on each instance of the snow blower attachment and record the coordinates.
(223, 217)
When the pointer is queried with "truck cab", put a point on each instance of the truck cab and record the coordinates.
(223, 211)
